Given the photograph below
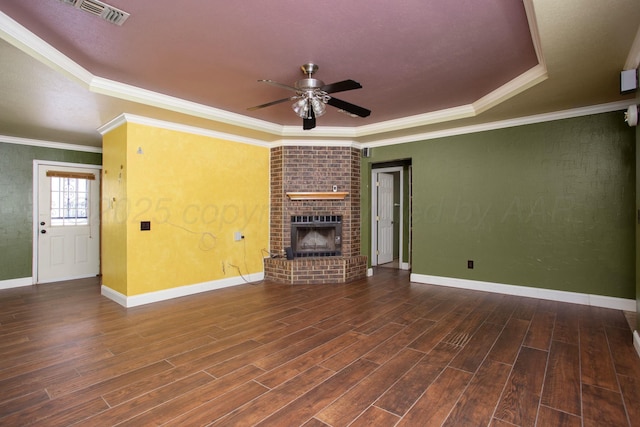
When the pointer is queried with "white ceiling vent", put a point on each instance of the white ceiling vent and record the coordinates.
(98, 8)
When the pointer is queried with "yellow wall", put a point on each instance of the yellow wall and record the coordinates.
(197, 191)
(114, 210)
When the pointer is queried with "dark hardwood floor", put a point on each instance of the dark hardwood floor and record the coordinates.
(378, 352)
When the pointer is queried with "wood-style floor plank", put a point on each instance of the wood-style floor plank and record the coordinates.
(310, 403)
(476, 350)
(440, 397)
(195, 398)
(295, 366)
(407, 335)
(148, 401)
(595, 359)
(265, 405)
(630, 388)
(404, 393)
(355, 401)
(521, 396)
(508, 344)
(562, 380)
(540, 330)
(602, 407)
(375, 417)
(552, 417)
(378, 351)
(364, 344)
(625, 357)
(477, 403)
(567, 327)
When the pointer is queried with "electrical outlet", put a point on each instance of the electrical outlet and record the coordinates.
(470, 264)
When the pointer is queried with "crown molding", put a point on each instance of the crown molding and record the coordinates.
(439, 116)
(532, 19)
(143, 96)
(26, 41)
(502, 124)
(524, 81)
(49, 144)
(162, 124)
(130, 118)
(34, 46)
(519, 84)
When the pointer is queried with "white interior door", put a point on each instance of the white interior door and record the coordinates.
(68, 223)
(385, 218)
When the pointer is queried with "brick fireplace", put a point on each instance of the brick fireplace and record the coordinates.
(303, 197)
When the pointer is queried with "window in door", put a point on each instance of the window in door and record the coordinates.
(69, 201)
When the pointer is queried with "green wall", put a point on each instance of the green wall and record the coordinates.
(16, 202)
(547, 205)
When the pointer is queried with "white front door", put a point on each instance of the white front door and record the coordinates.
(385, 218)
(68, 223)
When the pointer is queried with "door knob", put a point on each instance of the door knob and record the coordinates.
(43, 231)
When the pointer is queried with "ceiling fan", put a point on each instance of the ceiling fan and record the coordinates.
(312, 95)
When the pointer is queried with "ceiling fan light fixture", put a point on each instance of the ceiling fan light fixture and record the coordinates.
(312, 97)
(318, 106)
(301, 107)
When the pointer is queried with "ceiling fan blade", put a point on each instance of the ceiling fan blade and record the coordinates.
(309, 122)
(273, 83)
(269, 104)
(341, 86)
(349, 107)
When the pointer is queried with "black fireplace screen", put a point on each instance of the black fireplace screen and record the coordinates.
(318, 235)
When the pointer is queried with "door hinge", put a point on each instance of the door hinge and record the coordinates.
(377, 183)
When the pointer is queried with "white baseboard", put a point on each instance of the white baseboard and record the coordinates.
(525, 291)
(636, 341)
(180, 291)
(369, 272)
(405, 266)
(16, 283)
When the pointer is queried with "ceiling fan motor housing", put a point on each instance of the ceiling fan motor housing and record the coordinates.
(309, 84)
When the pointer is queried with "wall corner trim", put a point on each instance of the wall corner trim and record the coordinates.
(16, 283)
(525, 291)
(180, 291)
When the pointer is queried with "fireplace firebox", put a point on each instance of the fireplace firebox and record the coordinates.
(316, 236)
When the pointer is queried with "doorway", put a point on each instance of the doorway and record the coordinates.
(388, 223)
(66, 221)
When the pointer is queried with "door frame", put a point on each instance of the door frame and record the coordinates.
(35, 203)
(374, 213)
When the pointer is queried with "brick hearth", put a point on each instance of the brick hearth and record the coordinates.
(315, 169)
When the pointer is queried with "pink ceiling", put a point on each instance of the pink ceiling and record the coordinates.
(411, 56)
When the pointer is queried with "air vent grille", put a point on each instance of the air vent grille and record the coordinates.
(98, 8)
